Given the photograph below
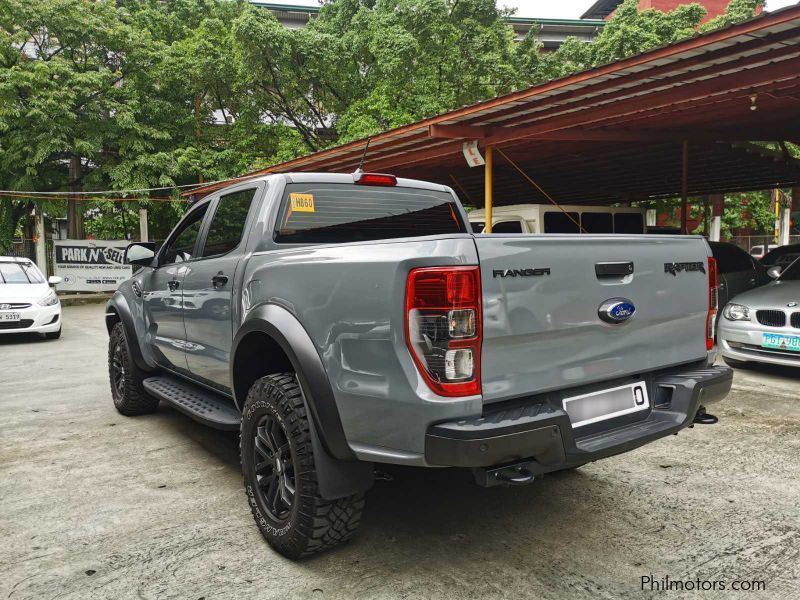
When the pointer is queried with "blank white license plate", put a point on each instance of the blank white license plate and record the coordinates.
(606, 404)
(5, 316)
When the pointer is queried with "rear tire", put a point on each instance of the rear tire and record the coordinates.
(280, 477)
(736, 364)
(130, 397)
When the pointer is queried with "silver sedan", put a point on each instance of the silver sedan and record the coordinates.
(763, 324)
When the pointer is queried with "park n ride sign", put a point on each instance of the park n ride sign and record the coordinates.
(90, 265)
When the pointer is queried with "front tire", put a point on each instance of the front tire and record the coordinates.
(280, 478)
(130, 397)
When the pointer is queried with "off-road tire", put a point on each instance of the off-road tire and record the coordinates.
(53, 335)
(313, 524)
(736, 364)
(130, 397)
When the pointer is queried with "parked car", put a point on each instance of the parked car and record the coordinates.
(782, 255)
(27, 303)
(365, 324)
(763, 325)
(758, 252)
(547, 218)
(738, 271)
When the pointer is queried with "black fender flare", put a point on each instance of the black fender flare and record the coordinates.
(339, 472)
(119, 305)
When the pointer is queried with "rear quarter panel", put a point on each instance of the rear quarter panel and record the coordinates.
(350, 300)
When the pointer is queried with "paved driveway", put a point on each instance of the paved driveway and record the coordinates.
(94, 504)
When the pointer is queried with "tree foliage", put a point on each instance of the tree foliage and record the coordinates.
(151, 93)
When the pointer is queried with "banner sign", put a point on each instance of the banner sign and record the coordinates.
(472, 154)
(90, 265)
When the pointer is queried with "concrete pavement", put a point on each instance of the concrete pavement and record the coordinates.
(97, 505)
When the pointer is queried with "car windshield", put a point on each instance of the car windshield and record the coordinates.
(19, 272)
(792, 272)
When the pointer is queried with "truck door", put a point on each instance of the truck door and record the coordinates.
(163, 298)
(210, 284)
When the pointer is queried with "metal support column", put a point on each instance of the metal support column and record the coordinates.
(41, 240)
(143, 230)
(488, 188)
(685, 187)
(717, 210)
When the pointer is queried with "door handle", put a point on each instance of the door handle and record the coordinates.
(173, 284)
(219, 280)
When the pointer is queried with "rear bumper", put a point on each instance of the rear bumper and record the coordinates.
(538, 429)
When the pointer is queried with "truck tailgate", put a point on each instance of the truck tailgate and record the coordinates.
(541, 303)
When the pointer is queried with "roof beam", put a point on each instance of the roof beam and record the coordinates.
(679, 66)
(787, 69)
(472, 132)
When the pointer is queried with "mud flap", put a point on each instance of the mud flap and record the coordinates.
(339, 478)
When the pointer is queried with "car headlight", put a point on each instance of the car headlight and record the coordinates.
(736, 312)
(49, 300)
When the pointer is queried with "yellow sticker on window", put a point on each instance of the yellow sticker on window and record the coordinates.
(301, 202)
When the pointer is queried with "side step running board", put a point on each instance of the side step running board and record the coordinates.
(200, 404)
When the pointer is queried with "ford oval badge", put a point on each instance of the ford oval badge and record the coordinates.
(616, 310)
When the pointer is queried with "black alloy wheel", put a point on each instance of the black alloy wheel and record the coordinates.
(274, 468)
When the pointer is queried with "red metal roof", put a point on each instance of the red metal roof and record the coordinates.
(614, 132)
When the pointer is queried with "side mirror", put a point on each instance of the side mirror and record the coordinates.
(774, 271)
(54, 279)
(140, 253)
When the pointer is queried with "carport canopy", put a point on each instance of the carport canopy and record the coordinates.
(678, 120)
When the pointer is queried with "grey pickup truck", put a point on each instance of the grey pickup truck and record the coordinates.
(340, 321)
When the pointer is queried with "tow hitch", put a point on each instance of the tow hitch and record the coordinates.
(518, 474)
(704, 418)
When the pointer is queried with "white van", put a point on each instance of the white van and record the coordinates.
(547, 218)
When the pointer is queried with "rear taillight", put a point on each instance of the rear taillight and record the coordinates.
(713, 302)
(443, 328)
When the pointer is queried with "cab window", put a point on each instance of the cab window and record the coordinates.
(559, 222)
(507, 227)
(628, 223)
(597, 222)
(180, 247)
(227, 226)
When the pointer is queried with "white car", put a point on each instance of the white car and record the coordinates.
(27, 303)
(758, 252)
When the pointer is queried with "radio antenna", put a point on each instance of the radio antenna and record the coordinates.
(360, 168)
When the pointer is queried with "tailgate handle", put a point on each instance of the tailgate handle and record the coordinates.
(613, 269)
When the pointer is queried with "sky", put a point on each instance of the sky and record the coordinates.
(546, 9)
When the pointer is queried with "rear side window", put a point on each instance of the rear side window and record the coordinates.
(227, 226)
(628, 223)
(317, 213)
(559, 222)
(597, 222)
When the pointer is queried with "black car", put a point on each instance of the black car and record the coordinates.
(738, 271)
(782, 256)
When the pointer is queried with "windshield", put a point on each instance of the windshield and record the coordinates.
(792, 272)
(17, 272)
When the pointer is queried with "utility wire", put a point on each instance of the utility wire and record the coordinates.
(28, 196)
(538, 187)
(153, 189)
